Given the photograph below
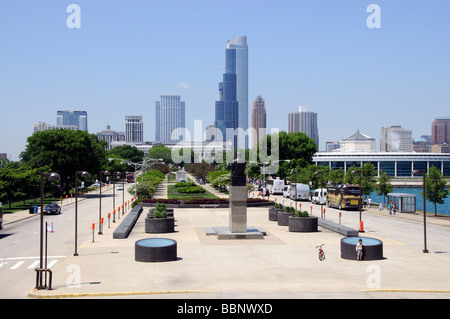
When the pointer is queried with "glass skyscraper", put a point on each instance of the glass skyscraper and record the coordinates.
(77, 118)
(230, 114)
(169, 116)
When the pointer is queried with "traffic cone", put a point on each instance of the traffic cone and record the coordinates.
(361, 227)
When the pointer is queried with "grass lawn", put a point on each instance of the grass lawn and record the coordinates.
(18, 206)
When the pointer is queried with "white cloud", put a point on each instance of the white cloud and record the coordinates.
(183, 86)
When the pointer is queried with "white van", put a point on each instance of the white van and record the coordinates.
(275, 186)
(299, 192)
(286, 190)
(320, 196)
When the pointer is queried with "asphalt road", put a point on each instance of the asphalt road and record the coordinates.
(20, 241)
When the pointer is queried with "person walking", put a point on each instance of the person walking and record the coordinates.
(359, 250)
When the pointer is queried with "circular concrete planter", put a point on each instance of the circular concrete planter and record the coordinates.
(273, 213)
(303, 224)
(283, 218)
(372, 248)
(155, 250)
(159, 225)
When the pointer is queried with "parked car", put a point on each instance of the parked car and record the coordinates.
(120, 187)
(52, 209)
(286, 190)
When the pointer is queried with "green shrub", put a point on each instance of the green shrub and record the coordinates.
(302, 213)
(289, 209)
(191, 190)
(160, 211)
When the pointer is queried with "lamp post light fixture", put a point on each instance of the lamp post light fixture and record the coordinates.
(115, 174)
(82, 174)
(50, 177)
(359, 172)
(321, 191)
(106, 173)
(423, 173)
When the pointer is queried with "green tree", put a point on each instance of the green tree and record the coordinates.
(161, 151)
(384, 186)
(126, 152)
(435, 187)
(368, 180)
(64, 152)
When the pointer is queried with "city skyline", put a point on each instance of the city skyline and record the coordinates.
(322, 55)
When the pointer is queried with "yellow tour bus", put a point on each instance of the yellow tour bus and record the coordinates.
(343, 196)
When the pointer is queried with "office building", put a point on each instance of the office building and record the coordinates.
(395, 139)
(42, 126)
(259, 119)
(134, 128)
(240, 45)
(226, 109)
(304, 121)
(440, 131)
(169, 117)
(73, 118)
(110, 136)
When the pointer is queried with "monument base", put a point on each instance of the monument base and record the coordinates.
(225, 233)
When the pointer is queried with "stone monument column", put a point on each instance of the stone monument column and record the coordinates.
(238, 197)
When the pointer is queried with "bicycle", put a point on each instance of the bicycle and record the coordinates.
(321, 253)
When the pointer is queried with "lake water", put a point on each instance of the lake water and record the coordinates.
(443, 209)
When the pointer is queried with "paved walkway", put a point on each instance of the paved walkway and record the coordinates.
(282, 265)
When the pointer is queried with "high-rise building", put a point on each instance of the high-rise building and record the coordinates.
(241, 47)
(232, 108)
(110, 136)
(396, 139)
(169, 116)
(304, 121)
(73, 118)
(440, 131)
(259, 118)
(227, 106)
(134, 128)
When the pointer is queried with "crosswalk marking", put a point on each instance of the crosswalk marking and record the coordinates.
(17, 265)
(5, 263)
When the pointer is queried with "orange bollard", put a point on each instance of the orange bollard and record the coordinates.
(340, 215)
(361, 227)
(93, 228)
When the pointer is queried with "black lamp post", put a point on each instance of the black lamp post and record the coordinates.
(82, 174)
(423, 173)
(321, 192)
(115, 174)
(106, 173)
(50, 177)
(359, 172)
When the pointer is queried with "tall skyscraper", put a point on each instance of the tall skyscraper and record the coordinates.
(74, 118)
(240, 45)
(440, 131)
(304, 121)
(258, 120)
(134, 128)
(230, 113)
(227, 106)
(169, 116)
(395, 139)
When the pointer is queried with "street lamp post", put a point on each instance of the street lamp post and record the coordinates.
(82, 174)
(115, 174)
(423, 173)
(106, 173)
(321, 192)
(50, 177)
(359, 172)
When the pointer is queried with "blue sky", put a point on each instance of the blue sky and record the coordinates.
(318, 53)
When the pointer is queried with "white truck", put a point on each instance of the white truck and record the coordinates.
(299, 192)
